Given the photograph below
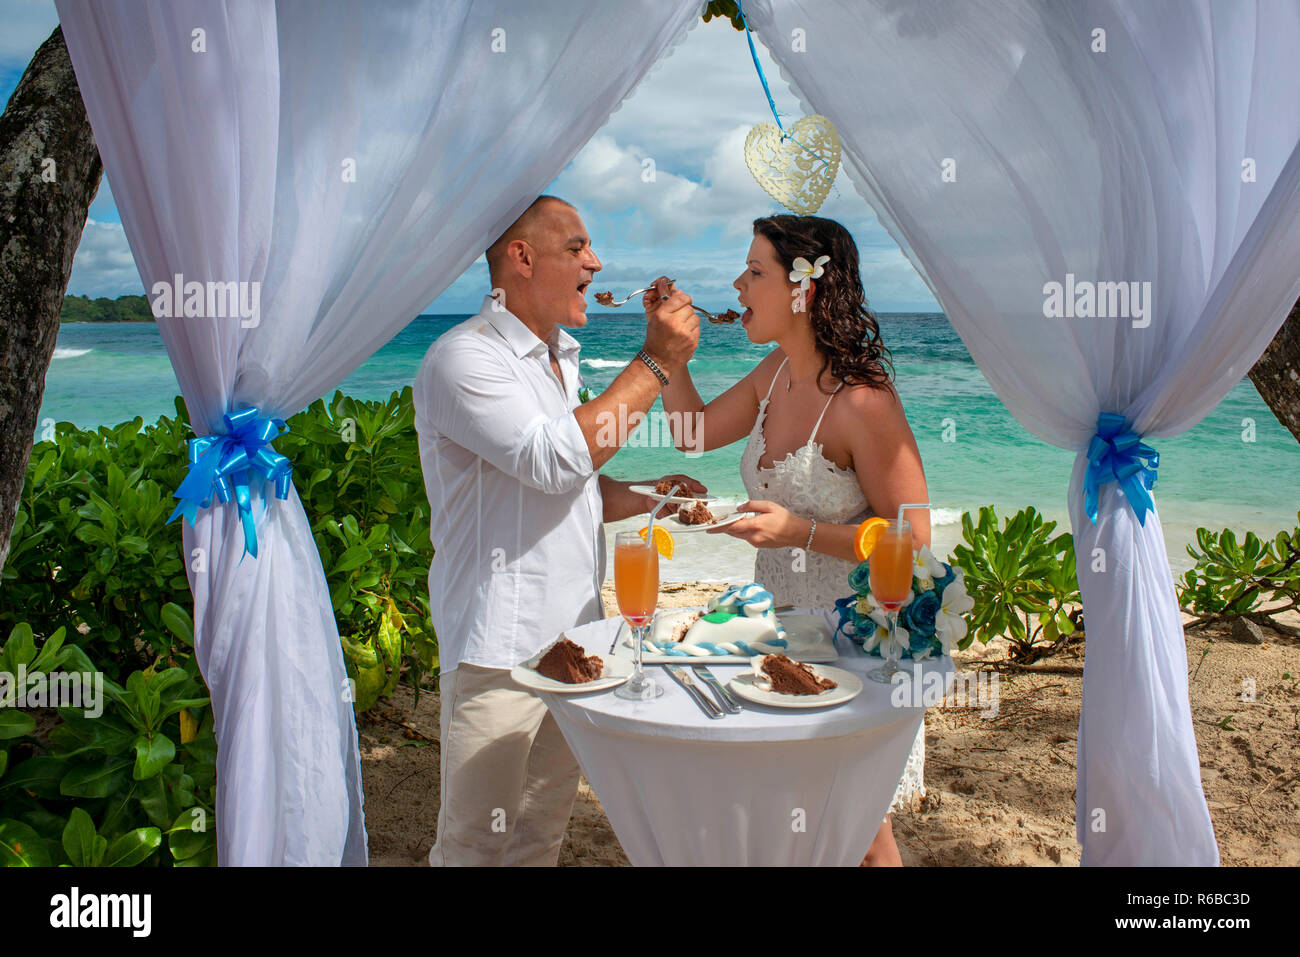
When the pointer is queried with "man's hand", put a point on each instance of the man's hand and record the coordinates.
(621, 502)
(672, 327)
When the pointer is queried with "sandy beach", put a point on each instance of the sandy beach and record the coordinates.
(1000, 790)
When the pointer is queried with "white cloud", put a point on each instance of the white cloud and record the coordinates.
(103, 265)
(691, 116)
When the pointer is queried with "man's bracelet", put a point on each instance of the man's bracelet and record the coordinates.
(654, 366)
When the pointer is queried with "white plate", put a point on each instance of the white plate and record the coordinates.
(848, 687)
(724, 515)
(675, 500)
(808, 639)
(614, 672)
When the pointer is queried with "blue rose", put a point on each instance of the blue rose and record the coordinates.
(860, 579)
(948, 577)
(918, 617)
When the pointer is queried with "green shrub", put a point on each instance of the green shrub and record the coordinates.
(1018, 575)
(95, 581)
(113, 788)
(1231, 579)
(90, 544)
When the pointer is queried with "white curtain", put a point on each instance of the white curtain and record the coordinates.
(1152, 141)
(352, 159)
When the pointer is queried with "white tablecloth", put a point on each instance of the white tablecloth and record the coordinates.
(770, 786)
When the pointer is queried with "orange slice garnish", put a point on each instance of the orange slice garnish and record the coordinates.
(663, 540)
(868, 533)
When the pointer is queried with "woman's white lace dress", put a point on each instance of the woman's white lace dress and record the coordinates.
(811, 486)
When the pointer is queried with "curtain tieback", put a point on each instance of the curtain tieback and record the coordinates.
(1118, 454)
(224, 465)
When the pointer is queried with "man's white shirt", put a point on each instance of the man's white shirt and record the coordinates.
(519, 548)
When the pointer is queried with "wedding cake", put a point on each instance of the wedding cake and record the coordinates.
(740, 621)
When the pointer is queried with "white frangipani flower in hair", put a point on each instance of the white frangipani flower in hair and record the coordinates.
(804, 270)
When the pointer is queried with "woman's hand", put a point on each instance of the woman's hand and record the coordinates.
(771, 526)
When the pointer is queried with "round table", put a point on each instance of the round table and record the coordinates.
(769, 786)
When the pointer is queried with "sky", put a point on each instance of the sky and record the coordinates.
(694, 221)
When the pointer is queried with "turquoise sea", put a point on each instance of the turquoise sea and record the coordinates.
(1212, 475)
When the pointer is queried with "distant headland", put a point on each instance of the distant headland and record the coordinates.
(121, 309)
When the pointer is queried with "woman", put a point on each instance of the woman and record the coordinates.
(829, 444)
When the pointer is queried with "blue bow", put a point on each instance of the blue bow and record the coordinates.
(1116, 454)
(223, 463)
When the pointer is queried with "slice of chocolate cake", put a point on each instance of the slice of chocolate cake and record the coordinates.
(696, 514)
(566, 662)
(793, 677)
(663, 485)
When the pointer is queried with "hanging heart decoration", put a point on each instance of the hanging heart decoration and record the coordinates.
(797, 168)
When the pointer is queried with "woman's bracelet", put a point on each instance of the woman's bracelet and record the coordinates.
(811, 532)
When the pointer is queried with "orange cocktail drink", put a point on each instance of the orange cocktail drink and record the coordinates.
(891, 566)
(636, 580)
(636, 586)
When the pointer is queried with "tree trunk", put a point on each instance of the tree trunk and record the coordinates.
(1277, 373)
(49, 173)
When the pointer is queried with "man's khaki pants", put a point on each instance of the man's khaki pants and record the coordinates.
(508, 776)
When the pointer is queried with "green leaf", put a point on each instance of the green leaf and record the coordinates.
(178, 622)
(153, 798)
(192, 838)
(83, 845)
(20, 846)
(20, 648)
(15, 724)
(152, 754)
(39, 775)
(354, 557)
(96, 780)
(133, 847)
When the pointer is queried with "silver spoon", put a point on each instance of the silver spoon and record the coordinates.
(622, 302)
(729, 316)
(723, 317)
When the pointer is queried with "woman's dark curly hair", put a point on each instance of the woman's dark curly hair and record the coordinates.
(846, 331)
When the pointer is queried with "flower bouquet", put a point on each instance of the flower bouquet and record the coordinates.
(931, 620)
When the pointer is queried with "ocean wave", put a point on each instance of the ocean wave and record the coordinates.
(604, 363)
(69, 353)
(946, 516)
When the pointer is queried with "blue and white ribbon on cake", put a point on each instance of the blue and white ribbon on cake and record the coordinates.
(750, 601)
(705, 649)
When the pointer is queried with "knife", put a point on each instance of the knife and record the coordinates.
(682, 678)
(729, 704)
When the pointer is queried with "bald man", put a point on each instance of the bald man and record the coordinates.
(511, 458)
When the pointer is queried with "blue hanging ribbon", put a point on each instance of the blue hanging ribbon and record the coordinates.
(766, 89)
(758, 66)
(226, 464)
(1116, 454)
